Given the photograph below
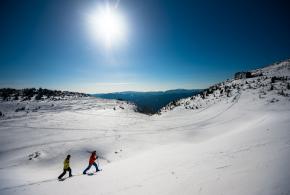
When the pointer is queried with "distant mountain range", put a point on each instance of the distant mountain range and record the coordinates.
(150, 102)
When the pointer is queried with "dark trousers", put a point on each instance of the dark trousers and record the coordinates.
(90, 165)
(64, 172)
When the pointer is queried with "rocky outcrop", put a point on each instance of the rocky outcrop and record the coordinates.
(243, 75)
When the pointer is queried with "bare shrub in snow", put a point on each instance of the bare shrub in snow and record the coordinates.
(20, 109)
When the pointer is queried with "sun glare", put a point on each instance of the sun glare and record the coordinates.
(107, 25)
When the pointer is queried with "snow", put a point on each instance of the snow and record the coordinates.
(277, 69)
(235, 142)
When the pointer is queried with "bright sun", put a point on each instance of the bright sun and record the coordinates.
(107, 25)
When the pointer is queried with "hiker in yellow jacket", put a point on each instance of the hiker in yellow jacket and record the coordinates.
(66, 167)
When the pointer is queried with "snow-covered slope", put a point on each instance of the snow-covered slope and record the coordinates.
(269, 84)
(278, 69)
(235, 139)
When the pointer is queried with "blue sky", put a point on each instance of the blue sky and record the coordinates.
(169, 44)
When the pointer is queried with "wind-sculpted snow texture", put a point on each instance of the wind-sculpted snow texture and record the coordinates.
(232, 139)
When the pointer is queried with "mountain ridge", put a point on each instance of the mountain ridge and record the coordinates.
(261, 79)
(149, 102)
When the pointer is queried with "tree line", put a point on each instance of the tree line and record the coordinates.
(38, 94)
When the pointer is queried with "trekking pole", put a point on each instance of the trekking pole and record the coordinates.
(98, 163)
